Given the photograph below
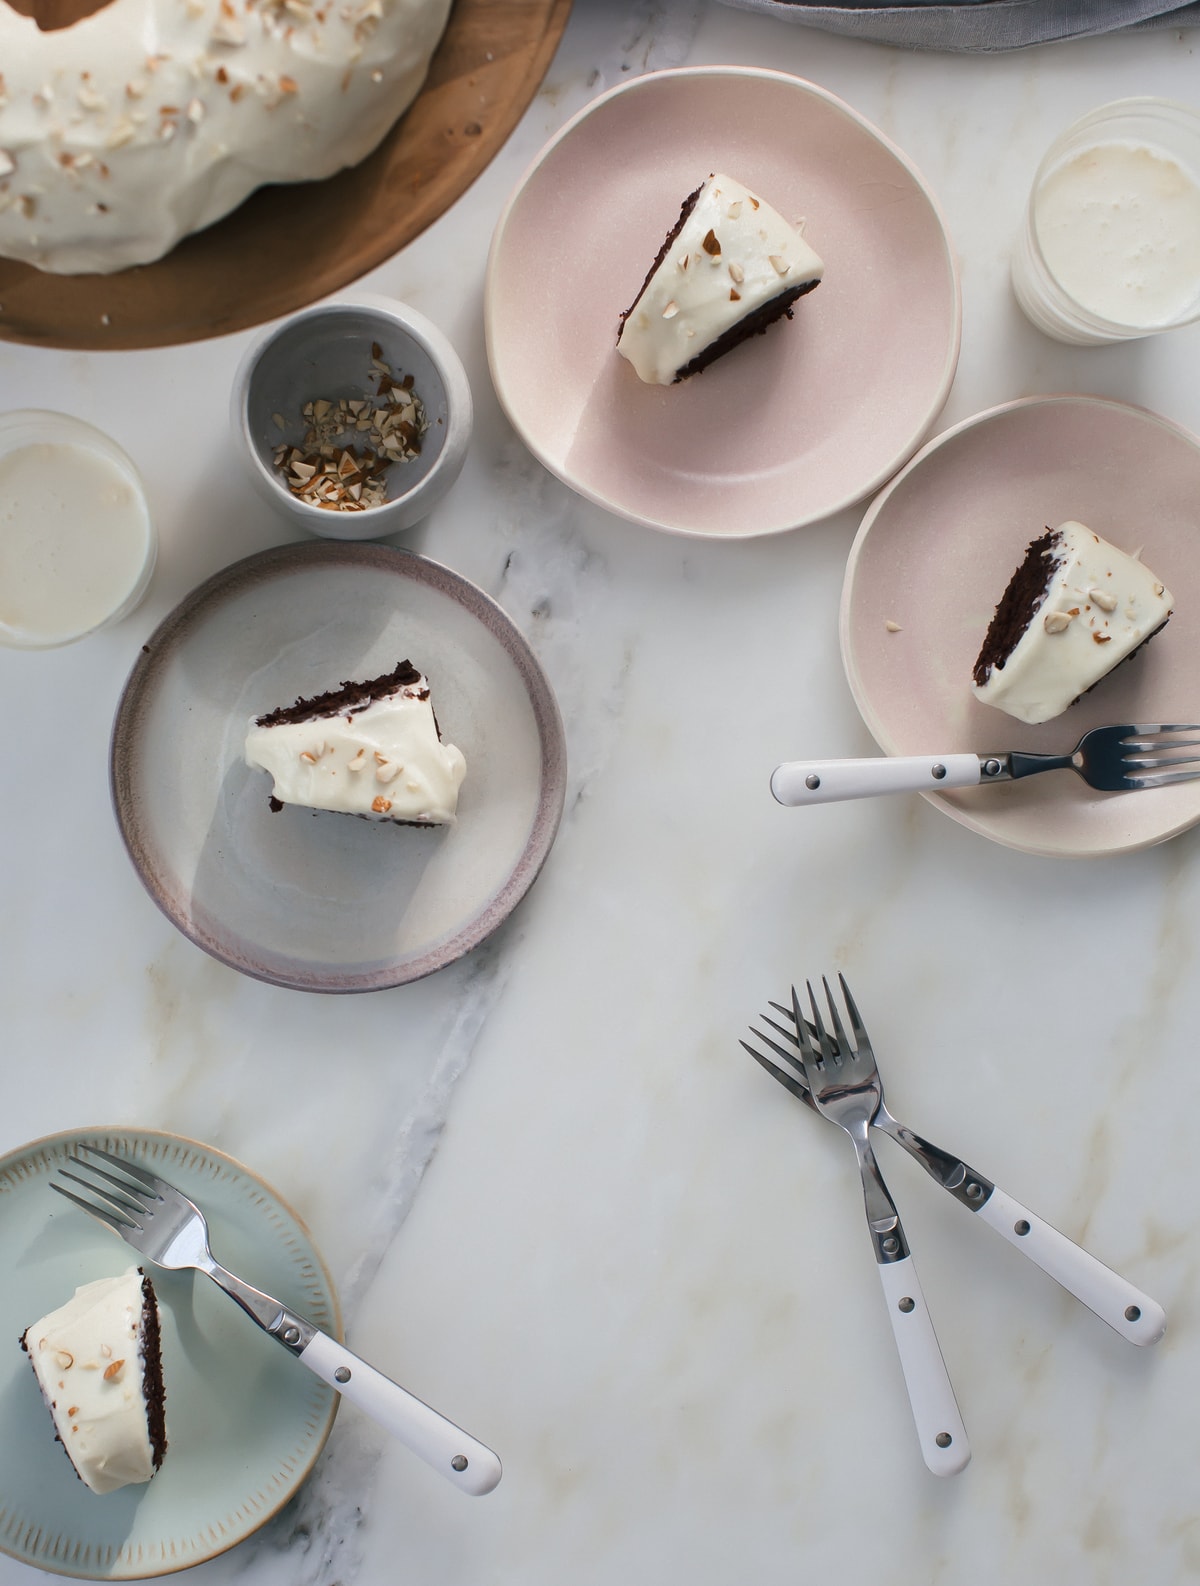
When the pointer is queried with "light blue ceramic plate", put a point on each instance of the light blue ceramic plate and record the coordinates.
(245, 1421)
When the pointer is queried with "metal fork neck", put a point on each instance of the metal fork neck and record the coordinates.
(1019, 765)
(292, 1331)
(967, 1186)
(886, 1233)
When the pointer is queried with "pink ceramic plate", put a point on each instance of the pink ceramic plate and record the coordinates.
(787, 428)
(936, 549)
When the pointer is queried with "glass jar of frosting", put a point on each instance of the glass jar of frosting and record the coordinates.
(1110, 246)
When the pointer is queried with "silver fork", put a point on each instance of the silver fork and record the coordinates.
(1114, 1300)
(843, 1083)
(1118, 759)
(163, 1225)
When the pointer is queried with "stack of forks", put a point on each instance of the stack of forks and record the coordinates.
(840, 1080)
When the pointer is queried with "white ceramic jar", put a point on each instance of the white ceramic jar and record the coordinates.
(335, 350)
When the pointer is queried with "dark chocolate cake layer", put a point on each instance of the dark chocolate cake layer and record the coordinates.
(152, 1373)
(754, 324)
(1025, 592)
(346, 700)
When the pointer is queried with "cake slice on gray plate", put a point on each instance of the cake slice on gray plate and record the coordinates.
(372, 749)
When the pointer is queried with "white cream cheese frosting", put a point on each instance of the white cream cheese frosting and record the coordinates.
(732, 254)
(89, 1364)
(384, 760)
(1100, 603)
(153, 118)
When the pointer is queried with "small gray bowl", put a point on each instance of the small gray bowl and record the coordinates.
(325, 351)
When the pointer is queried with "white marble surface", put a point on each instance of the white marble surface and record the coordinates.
(559, 1201)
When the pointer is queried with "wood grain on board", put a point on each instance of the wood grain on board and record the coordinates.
(286, 246)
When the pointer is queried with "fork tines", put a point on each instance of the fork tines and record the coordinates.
(1150, 749)
(776, 1070)
(809, 1036)
(118, 1204)
(841, 1046)
(814, 1042)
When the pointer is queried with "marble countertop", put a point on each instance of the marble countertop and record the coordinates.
(559, 1202)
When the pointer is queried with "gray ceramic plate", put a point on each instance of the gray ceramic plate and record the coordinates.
(245, 1422)
(324, 902)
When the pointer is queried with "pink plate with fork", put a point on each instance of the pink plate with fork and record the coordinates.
(931, 559)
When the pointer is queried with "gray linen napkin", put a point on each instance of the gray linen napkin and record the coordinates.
(979, 24)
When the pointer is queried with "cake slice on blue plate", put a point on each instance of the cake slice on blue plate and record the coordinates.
(98, 1362)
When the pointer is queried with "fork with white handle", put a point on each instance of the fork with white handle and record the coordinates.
(1113, 1298)
(164, 1226)
(1119, 759)
(843, 1082)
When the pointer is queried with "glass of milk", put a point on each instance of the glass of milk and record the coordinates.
(1110, 247)
(77, 544)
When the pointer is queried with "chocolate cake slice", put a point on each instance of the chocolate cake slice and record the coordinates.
(728, 268)
(1075, 607)
(370, 748)
(98, 1362)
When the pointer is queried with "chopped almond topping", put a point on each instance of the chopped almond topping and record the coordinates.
(349, 444)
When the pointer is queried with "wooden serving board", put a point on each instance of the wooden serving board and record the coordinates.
(287, 246)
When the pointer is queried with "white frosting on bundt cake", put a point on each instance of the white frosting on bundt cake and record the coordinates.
(153, 118)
